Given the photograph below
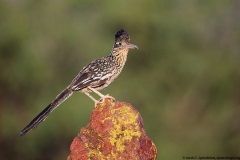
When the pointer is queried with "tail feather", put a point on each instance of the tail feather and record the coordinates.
(65, 94)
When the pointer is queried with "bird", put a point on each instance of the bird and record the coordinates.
(96, 76)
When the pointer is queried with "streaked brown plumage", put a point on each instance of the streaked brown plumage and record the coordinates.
(92, 78)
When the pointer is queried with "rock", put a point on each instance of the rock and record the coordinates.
(115, 131)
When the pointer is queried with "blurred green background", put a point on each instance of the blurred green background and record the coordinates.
(184, 79)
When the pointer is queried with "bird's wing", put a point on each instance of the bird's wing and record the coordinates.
(90, 76)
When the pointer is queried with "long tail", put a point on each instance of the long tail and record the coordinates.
(65, 94)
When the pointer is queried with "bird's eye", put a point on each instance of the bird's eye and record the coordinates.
(119, 43)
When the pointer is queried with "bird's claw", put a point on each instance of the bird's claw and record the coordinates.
(102, 99)
(106, 96)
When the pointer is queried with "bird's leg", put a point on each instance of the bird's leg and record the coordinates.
(100, 94)
(97, 92)
(95, 101)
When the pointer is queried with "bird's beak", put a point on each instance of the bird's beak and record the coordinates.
(132, 46)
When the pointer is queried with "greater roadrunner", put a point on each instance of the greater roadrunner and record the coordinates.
(95, 76)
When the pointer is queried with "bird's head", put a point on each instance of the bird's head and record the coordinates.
(122, 41)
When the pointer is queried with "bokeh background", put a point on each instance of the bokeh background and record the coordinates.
(184, 79)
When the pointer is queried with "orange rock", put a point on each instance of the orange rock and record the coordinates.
(115, 131)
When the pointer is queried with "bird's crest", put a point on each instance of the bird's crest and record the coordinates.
(122, 35)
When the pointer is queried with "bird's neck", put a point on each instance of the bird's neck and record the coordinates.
(120, 56)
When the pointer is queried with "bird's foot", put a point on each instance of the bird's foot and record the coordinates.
(104, 97)
(96, 103)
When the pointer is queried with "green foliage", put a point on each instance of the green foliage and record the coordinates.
(184, 79)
